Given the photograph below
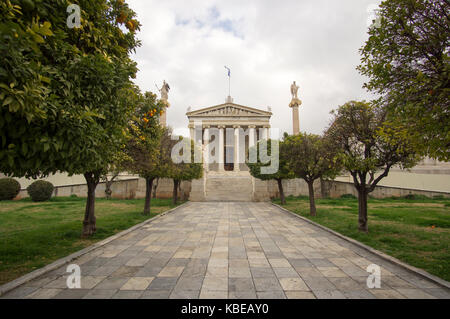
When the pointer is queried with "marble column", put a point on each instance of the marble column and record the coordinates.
(251, 142)
(221, 147)
(191, 131)
(295, 120)
(236, 148)
(265, 132)
(206, 149)
(251, 135)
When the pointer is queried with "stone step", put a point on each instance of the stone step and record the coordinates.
(229, 188)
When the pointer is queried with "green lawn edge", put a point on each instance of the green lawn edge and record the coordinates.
(33, 235)
(415, 231)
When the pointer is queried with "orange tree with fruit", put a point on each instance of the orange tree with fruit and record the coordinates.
(143, 141)
(65, 92)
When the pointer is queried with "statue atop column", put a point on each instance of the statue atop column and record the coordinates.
(295, 103)
(294, 92)
(165, 91)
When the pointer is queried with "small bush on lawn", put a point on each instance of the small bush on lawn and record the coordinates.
(415, 197)
(40, 191)
(9, 188)
(348, 196)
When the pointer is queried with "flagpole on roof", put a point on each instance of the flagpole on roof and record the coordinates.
(229, 80)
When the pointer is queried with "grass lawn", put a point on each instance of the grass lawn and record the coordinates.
(33, 235)
(402, 228)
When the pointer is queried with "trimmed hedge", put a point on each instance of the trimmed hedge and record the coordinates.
(40, 191)
(9, 188)
(348, 196)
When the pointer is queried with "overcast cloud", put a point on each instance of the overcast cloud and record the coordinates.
(267, 45)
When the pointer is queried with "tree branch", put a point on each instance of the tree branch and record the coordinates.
(379, 178)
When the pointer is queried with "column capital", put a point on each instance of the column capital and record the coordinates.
(236, 126)
(221, 126)
(206, 126)
(191, 125)
(252, 126)
(266, 126)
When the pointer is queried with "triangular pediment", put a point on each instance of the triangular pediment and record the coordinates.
(229, 109)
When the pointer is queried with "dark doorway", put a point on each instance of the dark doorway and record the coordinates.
(229, 158)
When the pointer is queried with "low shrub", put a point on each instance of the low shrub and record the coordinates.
(351, 196)
(414, 197)
(40, 191)
(9, 188)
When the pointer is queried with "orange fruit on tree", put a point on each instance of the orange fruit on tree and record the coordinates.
(130, 26)
(121, 18)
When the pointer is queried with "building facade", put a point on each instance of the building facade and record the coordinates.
(226, 132)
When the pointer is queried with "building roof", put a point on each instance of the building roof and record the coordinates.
(229, 110)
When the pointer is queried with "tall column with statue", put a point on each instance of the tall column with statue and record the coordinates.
(164, 90)
(295, 104)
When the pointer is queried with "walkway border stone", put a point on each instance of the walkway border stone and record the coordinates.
(380, 254)
(65, 260)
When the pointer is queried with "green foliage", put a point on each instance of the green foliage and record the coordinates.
(9, 188)
(348, 196)
(370, 145)
(63, 92)
(311, 156)
(40, 191)
(142, 151)
(415, 197)
(406, 59)
(186, 170)
(263, 149)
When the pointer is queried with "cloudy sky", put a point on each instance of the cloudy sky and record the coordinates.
(267, 45)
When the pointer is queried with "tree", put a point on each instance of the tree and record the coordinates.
(262, 150)
(145, 140)
(406, 59)
(370, 146)
(311, 157)
(185, 170)
(65, 91)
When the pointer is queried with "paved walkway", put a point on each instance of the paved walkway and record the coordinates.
(230, 250)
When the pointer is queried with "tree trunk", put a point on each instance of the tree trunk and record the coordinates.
(155, 187)
(312, 203)
(280, 189)
(148, 195)
(362, 209)
(108, 191)
(89, 222)
(175, 191)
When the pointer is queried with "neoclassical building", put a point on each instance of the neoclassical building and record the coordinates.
(226, 132)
